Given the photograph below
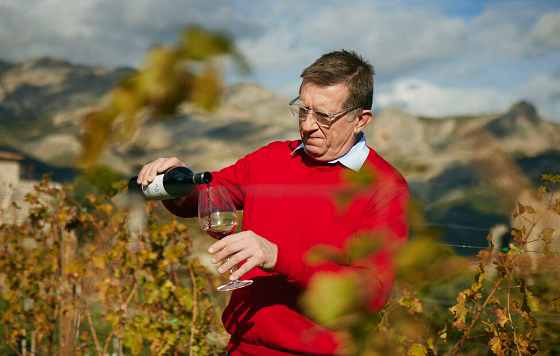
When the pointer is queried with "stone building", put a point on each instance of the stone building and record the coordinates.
(13, 188)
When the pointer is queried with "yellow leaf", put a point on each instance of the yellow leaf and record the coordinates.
(198, 44)
(501, 317)
(532, 301)
(460, 312)
(443, 334)
(106, 208)
(417, 350)
(98, 261)
(412, 303)
(496, 346)
(207, 88)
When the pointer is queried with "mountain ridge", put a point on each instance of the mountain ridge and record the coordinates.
(43, 99)
(445, 160)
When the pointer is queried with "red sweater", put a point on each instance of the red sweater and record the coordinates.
(291, 201)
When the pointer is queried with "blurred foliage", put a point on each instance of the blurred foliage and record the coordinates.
(171, 75)
(510, 306)
(80, 281)
(77, 278)
(98, 179)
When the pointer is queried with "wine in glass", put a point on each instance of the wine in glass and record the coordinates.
(218, 218)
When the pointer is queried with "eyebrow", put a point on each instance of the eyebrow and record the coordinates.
(319, 111)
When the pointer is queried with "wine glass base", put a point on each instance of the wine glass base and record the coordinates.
(231, 285)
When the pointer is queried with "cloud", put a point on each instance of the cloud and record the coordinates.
(544, 91)
(547, 30)
(394, 38)
(107, 32)
(425, 98)
(492, 54)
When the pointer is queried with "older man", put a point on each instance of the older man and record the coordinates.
(288, 191)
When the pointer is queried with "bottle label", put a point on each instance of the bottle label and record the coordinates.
(156, 190)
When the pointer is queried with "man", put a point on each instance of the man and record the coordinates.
(288, 191)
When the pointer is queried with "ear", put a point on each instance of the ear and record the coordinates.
(363, 120)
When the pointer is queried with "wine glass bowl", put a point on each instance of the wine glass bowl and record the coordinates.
(219, 224)
(217, 217)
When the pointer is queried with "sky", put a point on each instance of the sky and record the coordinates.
(431, 57)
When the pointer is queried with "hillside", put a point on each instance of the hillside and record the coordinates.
(456, 166)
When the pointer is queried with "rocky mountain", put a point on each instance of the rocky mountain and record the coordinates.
(459, 167)
(43, 99)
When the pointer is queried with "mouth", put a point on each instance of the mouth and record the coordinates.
(313, 141)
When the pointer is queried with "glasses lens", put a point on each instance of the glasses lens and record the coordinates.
(298, 111)
(302, 112)
(294, 110)
(321, 118)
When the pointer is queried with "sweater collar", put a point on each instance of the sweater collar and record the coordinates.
(354, 158)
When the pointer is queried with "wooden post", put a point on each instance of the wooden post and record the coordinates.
(24, 347)
(68, 307)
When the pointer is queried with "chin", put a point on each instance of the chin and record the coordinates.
(314, 151)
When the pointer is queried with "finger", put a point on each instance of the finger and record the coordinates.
(163, 164)
(175, 162)
(226, 252)
(152, 172)
(244, 268)
(216, 246)
(142, 173)
(152, 169)
(234, 260)
(170, 163)
(146, 172)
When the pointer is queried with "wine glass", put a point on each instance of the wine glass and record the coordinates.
(218, 218)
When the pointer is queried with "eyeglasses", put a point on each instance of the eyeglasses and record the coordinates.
(300, 111)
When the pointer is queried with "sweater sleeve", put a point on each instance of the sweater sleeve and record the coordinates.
(385, 217)
(234, 178)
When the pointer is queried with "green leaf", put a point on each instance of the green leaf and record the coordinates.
(332, 296)
(324, 253)
(362, 246)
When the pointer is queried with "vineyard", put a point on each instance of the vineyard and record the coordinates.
(89, 275)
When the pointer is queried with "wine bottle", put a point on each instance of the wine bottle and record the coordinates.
(174, 183)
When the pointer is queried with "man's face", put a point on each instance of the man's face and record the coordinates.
(320, 143)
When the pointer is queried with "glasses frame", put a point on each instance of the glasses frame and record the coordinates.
(321, 118)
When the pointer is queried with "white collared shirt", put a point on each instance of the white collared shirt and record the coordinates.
(354, 158)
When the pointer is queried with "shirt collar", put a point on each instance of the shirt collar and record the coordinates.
(354, 158)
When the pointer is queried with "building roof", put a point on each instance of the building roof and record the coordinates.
(10, 156)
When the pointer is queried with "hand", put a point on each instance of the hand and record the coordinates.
(152, 169)
(245, 245)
